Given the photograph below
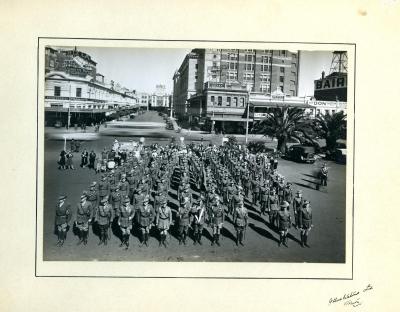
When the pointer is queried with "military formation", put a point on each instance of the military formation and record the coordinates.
(184, 188)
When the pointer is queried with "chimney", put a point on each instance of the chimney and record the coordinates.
(323, 74)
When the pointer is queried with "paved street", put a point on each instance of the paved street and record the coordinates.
(327, 238)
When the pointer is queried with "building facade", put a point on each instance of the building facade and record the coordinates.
(160, 98)
(215, 83)
(75, 93)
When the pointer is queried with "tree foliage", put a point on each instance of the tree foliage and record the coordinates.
(331, 127)
(286, 124)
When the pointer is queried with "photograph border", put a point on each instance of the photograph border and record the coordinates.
(200, 41)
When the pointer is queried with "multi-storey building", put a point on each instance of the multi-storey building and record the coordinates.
(216, 83)
(76, 93)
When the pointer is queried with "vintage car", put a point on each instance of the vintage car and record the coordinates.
(301, 153)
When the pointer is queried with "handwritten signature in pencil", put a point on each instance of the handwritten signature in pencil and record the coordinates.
(351, 299)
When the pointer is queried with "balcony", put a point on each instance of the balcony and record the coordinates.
(224, 86)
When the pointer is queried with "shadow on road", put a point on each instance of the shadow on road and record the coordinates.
(263, 232)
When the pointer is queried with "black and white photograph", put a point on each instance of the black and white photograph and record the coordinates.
(194, 154)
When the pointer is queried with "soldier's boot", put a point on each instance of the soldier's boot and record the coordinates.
(302, 239)
(213, 240)
(126, 241)
(285, 240)
(305, 240)
(184, 238)
(241, 238)
(199, 238)
(58, 238)
(161, 240)
(237, 238)
(63, 235)
(101, 239)
(85, 237)
(217, 239)
(196, 238)
(146, 239)
(280, 239)
(164, 238)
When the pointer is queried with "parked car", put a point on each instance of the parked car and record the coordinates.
(301, 153)
(340, 154)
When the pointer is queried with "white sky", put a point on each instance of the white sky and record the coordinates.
(142, 69)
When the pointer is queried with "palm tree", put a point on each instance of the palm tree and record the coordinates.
(285, 124)
(331, 127)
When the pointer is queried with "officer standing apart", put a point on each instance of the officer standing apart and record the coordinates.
(305, 222)
(240, 220)
(63, 216)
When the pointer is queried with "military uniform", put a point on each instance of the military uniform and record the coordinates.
(284, 223)
(256, 191)
(184, 220)
(126, 214)
(146, 218)
(199, 214)
(273, 209)
(115, 199)
(124, 186)
(163, 221)
(240, 221)
(103, 217)
(298, 202)
(264, 192)
(217, 220)
(93, 196)
(62, 218)
(83, 217)
(104, 187)
(305, 222)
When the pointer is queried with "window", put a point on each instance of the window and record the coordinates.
(241, 102)
(214, 64)
(235, 101)
(212, 99)
(281, 79)
(283, 52)
(57, 91)
(264, 87)
(232, 57)
(250, 51)
(264, 68)
(197, 66)
(228, 101)
(248, 66)
(232, 75)
(265, 59)
(264, 77)
(318, 112)
(282, 69)
(220, 101)
(249, 58)
(248, 76)
(232, 65)
(281, 87)
(195, 77)
(78, 92)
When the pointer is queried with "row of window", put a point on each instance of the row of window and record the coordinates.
(230, 101)
(57, 91)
